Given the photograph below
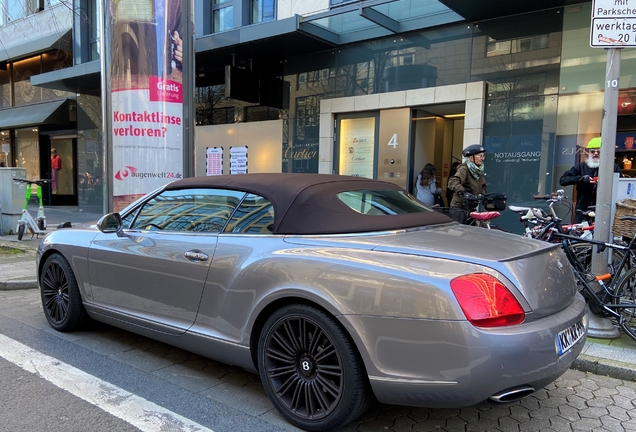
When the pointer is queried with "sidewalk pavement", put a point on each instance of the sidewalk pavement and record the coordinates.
(612, 357)
(17, 258)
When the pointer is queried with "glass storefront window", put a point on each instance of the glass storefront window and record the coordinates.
(23, 70)
(583, 67)
(414, 60)
(53, 62)
(62, 179)
(28, 151)
(5, 89)
(496, 48)
(90, 156)
(520, 64)
(5, 149)
(519, 137)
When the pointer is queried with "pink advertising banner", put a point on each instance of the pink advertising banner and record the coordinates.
(145, 91)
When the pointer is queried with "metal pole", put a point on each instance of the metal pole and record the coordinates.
(602, 327)
(602, 226)
(189, 87)
(104, 58)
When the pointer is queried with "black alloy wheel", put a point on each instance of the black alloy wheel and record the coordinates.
(310, 369)
(61, 299)
(21, 230)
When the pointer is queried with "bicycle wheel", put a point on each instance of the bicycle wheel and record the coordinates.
(582, 252)
(626, 294)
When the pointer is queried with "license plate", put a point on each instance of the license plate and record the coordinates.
(566, 339)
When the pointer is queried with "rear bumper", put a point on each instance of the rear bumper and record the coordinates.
(448, 364)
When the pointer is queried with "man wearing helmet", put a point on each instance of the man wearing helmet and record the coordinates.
(469, 176)
(583, 175)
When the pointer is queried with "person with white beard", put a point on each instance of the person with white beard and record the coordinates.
(584, 176)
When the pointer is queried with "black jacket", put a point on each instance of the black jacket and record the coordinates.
(585, 190)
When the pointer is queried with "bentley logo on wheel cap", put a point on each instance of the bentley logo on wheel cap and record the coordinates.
(306, 365)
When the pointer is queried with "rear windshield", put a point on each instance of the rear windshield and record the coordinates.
(382, 202)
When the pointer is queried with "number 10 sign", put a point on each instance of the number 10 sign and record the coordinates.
(613, 24)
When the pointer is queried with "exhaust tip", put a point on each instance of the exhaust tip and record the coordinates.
(511, 395)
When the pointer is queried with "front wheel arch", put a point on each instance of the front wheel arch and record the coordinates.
(59, 291)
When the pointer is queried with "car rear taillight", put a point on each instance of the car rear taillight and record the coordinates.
(486, 302)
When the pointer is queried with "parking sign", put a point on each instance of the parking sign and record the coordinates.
(613, 24)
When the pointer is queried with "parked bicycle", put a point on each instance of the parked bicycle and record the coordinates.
(36, 226)
(484, 208)
(542, 226)
(616, 298)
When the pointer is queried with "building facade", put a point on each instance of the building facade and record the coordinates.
(376, 88)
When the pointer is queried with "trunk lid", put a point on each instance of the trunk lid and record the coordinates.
(539, 270)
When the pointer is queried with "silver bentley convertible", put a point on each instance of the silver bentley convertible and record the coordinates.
(337, 290)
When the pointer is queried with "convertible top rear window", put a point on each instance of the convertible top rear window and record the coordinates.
(382, 202)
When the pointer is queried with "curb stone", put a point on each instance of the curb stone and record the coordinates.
(602, 366)
(18, 285)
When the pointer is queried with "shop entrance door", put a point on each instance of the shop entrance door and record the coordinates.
(63, 190)
(438, 135)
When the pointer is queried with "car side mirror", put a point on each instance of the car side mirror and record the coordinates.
(110, 223)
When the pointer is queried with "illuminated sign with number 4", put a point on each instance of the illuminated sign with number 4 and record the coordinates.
(393, 141)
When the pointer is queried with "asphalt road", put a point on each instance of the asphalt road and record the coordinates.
(105, 379)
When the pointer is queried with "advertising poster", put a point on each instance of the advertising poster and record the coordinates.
(146, 96)
(214, 161)
(238, 160)
(357, 147)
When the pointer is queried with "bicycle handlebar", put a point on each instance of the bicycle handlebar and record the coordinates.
(470, 197)
(541, 197)
(38, 182)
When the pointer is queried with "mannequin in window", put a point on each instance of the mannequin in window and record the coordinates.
(56, 166)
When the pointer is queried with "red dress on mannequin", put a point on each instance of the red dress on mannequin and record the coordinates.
(56, 166)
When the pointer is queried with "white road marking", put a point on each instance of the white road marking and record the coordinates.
(135, 410)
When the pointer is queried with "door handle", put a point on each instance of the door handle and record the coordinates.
(196, 255)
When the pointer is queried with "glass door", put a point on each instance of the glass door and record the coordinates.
(28, 152)
(62, 172)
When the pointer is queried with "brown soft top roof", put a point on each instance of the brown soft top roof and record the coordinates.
(307, 203)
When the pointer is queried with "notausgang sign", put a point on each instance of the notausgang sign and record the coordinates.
(613, 24)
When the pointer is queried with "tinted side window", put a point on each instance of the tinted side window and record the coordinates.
(255, 215)
(127, 221)
(382, 202)
(192, 210)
